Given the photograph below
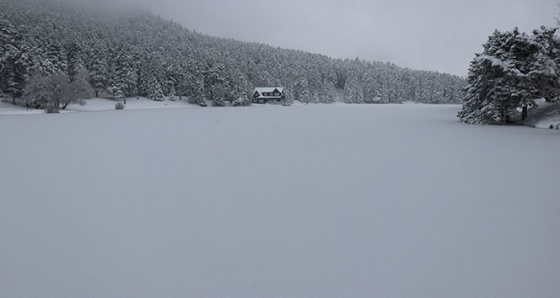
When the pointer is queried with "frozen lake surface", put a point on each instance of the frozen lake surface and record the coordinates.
(271, 201)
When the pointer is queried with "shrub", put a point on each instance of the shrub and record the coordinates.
(51, 108)
(218, 103)
(55, 91)
(241, 102)
(119, 106)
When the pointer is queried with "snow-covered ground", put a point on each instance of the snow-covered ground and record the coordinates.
(140, 103)
(544, 116)
(101, 104)
(10, 109)
(301, 201)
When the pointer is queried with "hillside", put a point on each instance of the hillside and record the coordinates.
(129, 53)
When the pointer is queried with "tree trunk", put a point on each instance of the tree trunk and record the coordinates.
(524, 113)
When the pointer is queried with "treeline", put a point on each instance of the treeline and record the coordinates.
(513, 71)
(137, 53)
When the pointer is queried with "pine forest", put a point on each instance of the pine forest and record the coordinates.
(120, 54)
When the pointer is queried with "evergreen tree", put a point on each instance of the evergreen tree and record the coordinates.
(125, 52)
(353, 92)
(8, 53)
(500, 79)
(215, 82)
(544, 70)
(99, 68)
(301, 91)
(74, 58)
(55, 58)
(155, 91)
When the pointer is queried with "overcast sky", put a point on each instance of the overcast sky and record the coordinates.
(440, 35)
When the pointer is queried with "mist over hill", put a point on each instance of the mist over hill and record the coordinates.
(135, 52)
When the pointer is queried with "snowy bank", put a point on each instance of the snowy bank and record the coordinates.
(544, 116)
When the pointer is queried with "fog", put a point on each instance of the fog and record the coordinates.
(440, 35)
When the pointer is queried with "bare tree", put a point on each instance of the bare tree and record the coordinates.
(56, 92)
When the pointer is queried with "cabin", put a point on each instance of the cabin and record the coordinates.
(268, 95)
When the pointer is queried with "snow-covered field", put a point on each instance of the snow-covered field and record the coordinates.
(99, 104)
(272, 201)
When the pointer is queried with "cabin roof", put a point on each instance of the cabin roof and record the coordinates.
(262, 90)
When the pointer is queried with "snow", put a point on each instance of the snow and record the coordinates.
(544, 115)
(262, 90)
(272, 201)
(9, 109)
(99, 104)
(507, 65)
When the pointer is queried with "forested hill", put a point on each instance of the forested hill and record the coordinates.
(138, 53)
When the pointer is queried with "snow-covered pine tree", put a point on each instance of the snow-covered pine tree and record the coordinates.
(144, 74)
(8, 52)
(56, 58)
(235, 85)
(218, 96)
(481, 79)
(301, 91)
(155, 91)
(544, 70)
(215, 81)
(74, 59)
(327, 94)
(45, 36)
(197, 95)
(114, 83)
(99, 67)
(19, 57)
(172, 93)
(115, 90)
(499, 82)
(353, 93)
(123, 75)
(170, 83)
